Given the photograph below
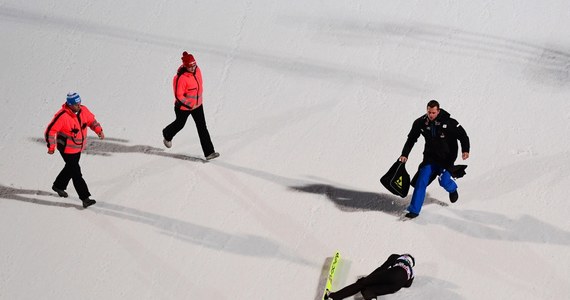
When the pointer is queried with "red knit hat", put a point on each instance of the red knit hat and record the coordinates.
(188, 59)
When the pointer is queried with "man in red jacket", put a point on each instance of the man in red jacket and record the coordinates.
(68, 130)
(187, 84)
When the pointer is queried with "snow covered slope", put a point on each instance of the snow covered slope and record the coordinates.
(308, 104)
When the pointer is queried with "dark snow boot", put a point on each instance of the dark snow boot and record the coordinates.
(453, 196)
(411, 215)
(60, 192)
(88, 202)
(212, 156)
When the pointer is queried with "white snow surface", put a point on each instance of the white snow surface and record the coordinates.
(308, 103)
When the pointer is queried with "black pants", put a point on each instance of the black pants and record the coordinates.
(379, 282)
(181, 117)
(72, 171)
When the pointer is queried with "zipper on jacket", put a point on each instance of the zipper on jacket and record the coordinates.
(198, 85)
(80, 130)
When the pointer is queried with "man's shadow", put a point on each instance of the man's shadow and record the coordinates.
(113, 145)
(352, 200)
(345, 199)
(238, 243)
(11, 193)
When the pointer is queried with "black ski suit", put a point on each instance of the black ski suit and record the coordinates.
(389, 278)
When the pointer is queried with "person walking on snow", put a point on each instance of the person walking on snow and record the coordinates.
(395, 273)
(441, 133)
(188, 87)
(68, 130)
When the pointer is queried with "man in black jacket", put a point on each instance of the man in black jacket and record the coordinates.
(395, 273)
(441, 133)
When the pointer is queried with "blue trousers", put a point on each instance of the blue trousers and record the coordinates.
(424, 174)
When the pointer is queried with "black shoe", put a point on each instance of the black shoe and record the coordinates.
(453, 196)
(60, 192)
(88, 202)
(411, 215)
(167, 144)
(212, 156)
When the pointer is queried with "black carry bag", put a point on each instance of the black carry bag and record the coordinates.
(397, 179)
(458, 171)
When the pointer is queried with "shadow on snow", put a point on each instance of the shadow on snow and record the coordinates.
(353, 200)
(113, 145)
(242, 244)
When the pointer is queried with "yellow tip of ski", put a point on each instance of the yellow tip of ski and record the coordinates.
(332, 269)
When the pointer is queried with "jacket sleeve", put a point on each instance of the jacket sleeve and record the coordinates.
(412, 138)
(199, 78)
(463, 138)
(92, 122)
(51, 131)
(179, 87)
(95, 126)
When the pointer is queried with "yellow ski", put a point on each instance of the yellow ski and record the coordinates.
(332, 269)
